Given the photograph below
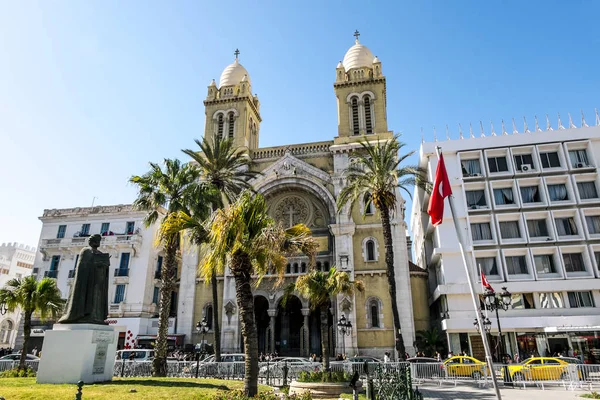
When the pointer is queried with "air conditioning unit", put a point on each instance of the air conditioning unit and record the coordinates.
(526, 167)
(580, 165)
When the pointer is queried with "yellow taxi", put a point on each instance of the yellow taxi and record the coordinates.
(540, 369)
(464, 366)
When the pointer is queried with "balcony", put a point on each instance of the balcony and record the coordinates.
(125, 241)
(122, 272)
(51, 274)
(71, 274)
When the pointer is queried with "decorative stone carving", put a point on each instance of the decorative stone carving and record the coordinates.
(346, 305)
(229, 311)
(292, 210)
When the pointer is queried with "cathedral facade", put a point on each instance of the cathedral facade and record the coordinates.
(301, 183)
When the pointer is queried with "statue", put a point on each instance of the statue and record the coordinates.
(88, 300)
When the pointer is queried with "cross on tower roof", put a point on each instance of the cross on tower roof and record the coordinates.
(356, 34)
(237, 53)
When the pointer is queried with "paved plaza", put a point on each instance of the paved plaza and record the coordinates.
(467, 392)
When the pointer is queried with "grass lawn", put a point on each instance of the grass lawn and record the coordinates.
(119, 388)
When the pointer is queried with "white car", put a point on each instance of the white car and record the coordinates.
(17, 357)
(135, 355)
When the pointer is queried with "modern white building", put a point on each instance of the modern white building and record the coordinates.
(529, 205)
(16, 261)
(134, 271)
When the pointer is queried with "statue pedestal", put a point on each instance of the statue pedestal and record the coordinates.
(74, 352)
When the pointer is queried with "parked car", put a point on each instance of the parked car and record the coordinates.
(17, 357)
(464, 366)
(231, 364)
(135, 355)
(362, 359)
(294, 364)
(425, 367)
(540, 369)
(581, 368)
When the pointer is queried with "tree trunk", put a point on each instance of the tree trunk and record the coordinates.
(216, 328)
(324, 317)
(167, 277)
(26, 336)
(241, 268)
(391, 275)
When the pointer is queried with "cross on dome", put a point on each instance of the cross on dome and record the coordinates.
(236, 53)
(356, 35)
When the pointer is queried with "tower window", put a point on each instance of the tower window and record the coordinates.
(208, 314)
(355, 127)
(370, 247)
(220, 124)
(374, 311)
(231, 126)
(368, 205)
(368, 119)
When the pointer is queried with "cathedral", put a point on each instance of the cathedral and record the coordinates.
(300, 183)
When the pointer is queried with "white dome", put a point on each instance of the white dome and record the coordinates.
(233, 74)
(358, 56)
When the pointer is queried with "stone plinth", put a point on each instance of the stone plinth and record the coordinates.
(74, 352)
(320, 390)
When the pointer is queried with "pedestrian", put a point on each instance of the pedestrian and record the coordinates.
(34, 351)
(386, 357)
(438, 356)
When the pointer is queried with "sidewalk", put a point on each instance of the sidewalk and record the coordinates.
(467, 392)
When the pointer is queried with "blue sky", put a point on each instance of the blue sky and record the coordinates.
(91, 91)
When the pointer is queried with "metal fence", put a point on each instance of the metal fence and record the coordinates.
(10, 364)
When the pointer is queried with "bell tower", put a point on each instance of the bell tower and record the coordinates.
(361, 94)
(231, 109)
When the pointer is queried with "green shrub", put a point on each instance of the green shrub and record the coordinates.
(320, 376)
(593, 395)
(18, 373)
(239, 395)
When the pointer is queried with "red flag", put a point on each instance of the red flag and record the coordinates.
(441, 190)
(485, 282)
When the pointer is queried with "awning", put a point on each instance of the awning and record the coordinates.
(555, 329)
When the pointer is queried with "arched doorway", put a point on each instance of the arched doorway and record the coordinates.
(261, 317)
(287, 327)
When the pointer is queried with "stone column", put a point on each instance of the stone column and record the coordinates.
(306, 333)
(272, 314)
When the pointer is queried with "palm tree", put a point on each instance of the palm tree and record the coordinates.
(227, 170)
(245, 238)
(32, 296)
(318, 287)
(376, 177)
(162, 193)
(430, 341)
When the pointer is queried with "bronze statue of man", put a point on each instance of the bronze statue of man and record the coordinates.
(88, 300)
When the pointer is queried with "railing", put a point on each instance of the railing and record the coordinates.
(81, 241)
(51, 274)
(122, 272)
(11, 364)
(296, 150)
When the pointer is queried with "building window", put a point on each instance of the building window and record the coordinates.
(597, 257)
(208, 314)
(374, 313)
(522, 301)
(537, 228)
(119, 294)
(581, 299)
(550, 159)
(288, 268)
(296, 268)
(530, 194)
(551, 300)
(303, 267)
(574, 262)
(130, 227)
(124, 264)
(85, 230)
(566, 226)
(497, 164)
(220, 125)
(579, 158)
(558, 192)
(510, 230)
(487, 265)
(369, 207)
(523, 159)
(587, 190)
(157, 272)
(104, 228)
(231, 125)
(471, 167)
(593, 224)
(475, 198)
(516, 265)
(326, 266)
(368, 118)
(6, 329)
(155, 295)
(544, 264)
(62, 229)
(354, 107)
(481, 231)
(370, 250)
(504, 196)
(54, 263)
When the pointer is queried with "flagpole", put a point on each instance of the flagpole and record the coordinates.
(474, 297)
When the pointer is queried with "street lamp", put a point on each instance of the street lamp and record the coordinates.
(494, 302)
(201, 327)
(345, 328)
(487, 324)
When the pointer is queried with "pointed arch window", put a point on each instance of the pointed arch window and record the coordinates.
(208, 314)
(220, 126)
(303, 267)
(370, 250)
(368, 117)
(231, 125)
(355, 120)
(374, 313)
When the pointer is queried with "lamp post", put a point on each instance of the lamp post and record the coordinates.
(494, 302)
(345, 328)
(487, 324)
(201, 327)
